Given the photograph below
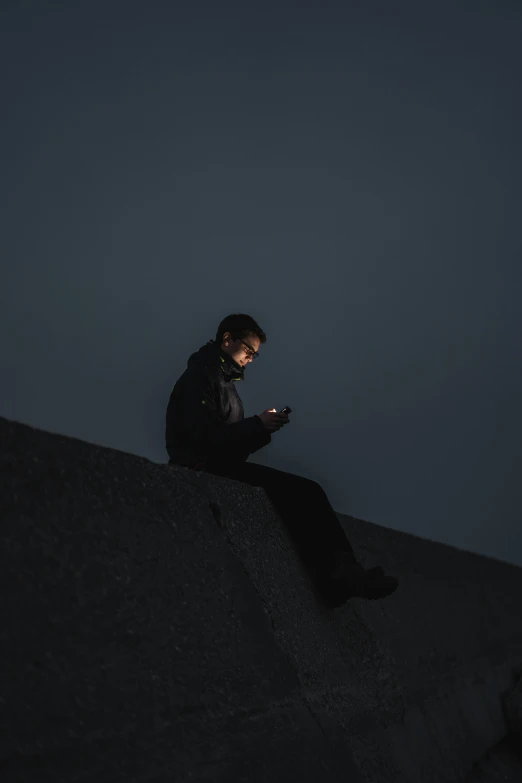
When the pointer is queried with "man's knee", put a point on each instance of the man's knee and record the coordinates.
(315, 487)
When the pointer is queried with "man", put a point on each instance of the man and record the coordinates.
(206, 430)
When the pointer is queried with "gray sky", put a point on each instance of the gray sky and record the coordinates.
(349, 177)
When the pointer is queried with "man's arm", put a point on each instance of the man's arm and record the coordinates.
(196, 419)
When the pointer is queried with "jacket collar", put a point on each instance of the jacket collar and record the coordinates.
(211, 353)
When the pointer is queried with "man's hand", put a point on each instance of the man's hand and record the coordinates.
(273, 421)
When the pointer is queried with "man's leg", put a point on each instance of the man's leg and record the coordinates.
(304, 508)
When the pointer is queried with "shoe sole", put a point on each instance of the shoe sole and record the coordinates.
(372, 593)
(337, 592)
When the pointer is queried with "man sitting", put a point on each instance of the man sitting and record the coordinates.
(206, 430)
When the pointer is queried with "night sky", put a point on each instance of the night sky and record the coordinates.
(349, 174)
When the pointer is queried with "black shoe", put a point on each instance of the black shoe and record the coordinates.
(377, 570)
(375, 586)
(356, 582)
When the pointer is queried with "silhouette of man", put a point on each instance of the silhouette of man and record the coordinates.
(206, 430)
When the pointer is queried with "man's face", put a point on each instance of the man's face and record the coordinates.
(240, 351)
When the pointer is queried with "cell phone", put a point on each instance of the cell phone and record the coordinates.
(287, 409)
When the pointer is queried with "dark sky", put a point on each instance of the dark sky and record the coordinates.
(349, 174)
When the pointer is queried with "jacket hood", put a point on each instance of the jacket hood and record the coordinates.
(211, 355)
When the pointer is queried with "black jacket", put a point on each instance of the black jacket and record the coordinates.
(205, 418)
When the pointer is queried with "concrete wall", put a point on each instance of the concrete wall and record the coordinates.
(158, 625)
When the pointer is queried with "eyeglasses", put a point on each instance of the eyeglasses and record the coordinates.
(250, 352)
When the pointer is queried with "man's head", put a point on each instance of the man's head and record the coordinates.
(240, 337)
(242, 350)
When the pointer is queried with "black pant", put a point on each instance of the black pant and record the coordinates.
(303, 506)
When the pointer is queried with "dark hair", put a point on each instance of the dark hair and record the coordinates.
(239, 325)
